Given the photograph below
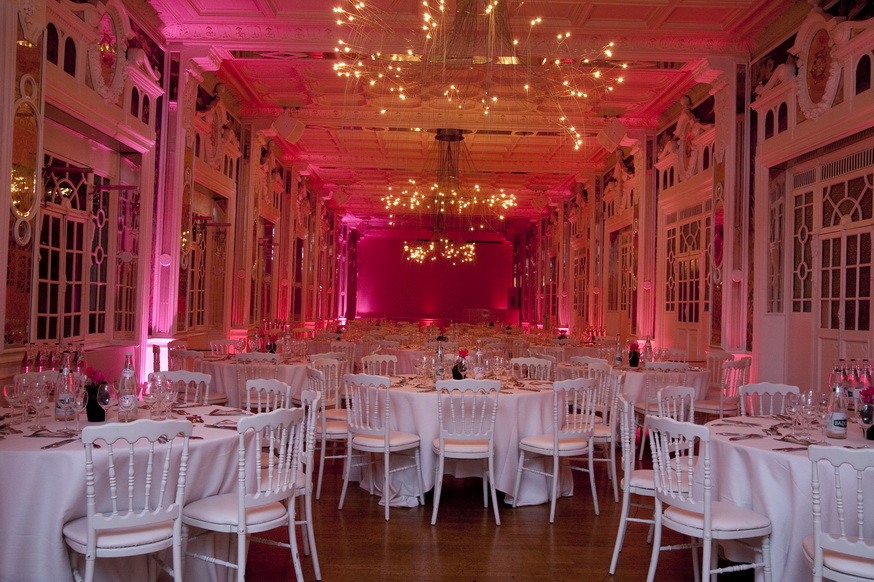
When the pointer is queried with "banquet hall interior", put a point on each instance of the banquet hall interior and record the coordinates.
(693, 176)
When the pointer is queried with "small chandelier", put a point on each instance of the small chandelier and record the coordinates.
(419, 252)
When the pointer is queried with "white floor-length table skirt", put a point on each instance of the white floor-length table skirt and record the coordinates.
(224, 378)
(634, 381)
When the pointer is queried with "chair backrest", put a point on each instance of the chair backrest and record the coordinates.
(380, 365)
(580, 396)
(136, 494)
(311, 403)
(348, 351)
(466, 409)
(177, 345)
(735, 373)
(369, 405)
(586, 360)
(674, 446)
(674, 355)
(339, 356)
(608, 386)
(191, 387)
(848, 505)
(189, 360)
(266, 395)
(530, 367)
(627, 432)
(332, 372)
(382, 344)
(677, 402)
(764, 398)
(666, 366)
(223, 347)
(714, 360)
(655, 379)
(556, 352)
(272, 476)
(251, 366)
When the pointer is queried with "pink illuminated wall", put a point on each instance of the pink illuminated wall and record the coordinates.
(390, 286)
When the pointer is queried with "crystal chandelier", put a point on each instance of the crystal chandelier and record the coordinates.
(421, 251)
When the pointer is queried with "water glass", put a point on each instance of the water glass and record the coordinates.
(864, 417)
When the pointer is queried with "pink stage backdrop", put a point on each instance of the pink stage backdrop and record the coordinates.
(389, 286)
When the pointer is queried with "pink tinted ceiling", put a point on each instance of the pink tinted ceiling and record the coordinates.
(280, 55)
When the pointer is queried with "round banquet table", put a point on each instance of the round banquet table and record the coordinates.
(750, 473)
(521, 413)
(407, 358)
(45, 488)
(634, 380)
(224, 377)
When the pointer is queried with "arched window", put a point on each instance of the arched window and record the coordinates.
(135, 102)
(769, 125)
(52, 44)
(147, 110)
(863, 74)
(782, 118)
(705, 159)
(70, 57)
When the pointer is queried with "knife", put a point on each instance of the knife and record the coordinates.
(60, 443)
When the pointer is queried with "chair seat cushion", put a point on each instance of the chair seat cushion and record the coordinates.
(222, 510)
(642, 479)
(840, 562)
(712, 405)
(396, 439)
(603, 432)
(335, 414)
(461, 447)
(76, 533)
(333, 428)
(644, 408)
(726, 517)
(543, 444)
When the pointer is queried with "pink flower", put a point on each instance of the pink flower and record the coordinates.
(462, 353)
(94, 376)
(867, 395)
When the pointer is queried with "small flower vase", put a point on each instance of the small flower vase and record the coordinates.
(459, 370)
(634, 359)
(93, 410)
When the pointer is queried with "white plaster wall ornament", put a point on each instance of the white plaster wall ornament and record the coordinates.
(107, 53)
(819, 70)
(24, 213)
(137, 59)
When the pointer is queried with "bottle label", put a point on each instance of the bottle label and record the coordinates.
(837, 427)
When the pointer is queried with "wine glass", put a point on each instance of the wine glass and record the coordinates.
(791, 407)
(808, 411)
(80, 400)
(64, 400)
(13, 395)
(105, 396)
(38, 396)
(151, 395)
(864, 417)
(128, 399)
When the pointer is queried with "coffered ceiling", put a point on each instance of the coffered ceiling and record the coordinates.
(523, 132)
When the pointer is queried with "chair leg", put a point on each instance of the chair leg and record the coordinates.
(322, 452)
(492, 487)
(656, 543)
(311, 535)
(292, 542)
(518, 477)
(642, 438)
(592, 478)
(347, 468)
(418, 457)
(554, 492)
(620, 533)
(386, 482)
(438, 489)
(613, 476)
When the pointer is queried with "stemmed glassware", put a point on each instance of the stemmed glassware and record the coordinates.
(864, 417)
(14, 396)
(151, 395)
(105, 396)
(792, 406)
(80, 400)
(38, 396)
(128, 398)
(64, 396)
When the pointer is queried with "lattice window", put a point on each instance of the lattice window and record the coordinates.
(671, 270)
(579, 285)
(802, 253)
(126, 254)
(626, 273)
(849, 200)
(689, 272)
(775, 249)
(195, 304)
(99, 251)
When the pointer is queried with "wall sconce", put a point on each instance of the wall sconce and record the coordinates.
(737, 276)
(647, 285)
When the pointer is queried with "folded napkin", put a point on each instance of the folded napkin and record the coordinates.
(51, 434)
(233, 412)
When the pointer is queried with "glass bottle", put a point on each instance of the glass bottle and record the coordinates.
(79, 364)
(26, 364)
(65, 390)
(617, 357)
(38, 361)
(836, 419)
(647, 351)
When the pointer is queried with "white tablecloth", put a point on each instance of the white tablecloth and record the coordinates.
(633, 390)
(224, 378)
(750, 474)
(521, 413)
(43, 489)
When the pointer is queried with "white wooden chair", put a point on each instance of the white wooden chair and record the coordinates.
(571, 437)
(369, 421)
(348, 350)
(556, 352)
(764, 398)
(838, 549)
(252, 366)
(532, 368)
(714, 360)
(312, 406)
(332, 395)
(380, 365)
(466, 412)
(266, 395)
(266, 486)
(637, 482)
(655, 378)
(180, 359)
(608, 387)
(145, 489)
(677, 447)
(222, 347)
(586, 360)
(194, 388)
(734, 374)
(333, 431)
(677, 402)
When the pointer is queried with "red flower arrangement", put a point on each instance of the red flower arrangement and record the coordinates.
(462, 353)
(867, 395)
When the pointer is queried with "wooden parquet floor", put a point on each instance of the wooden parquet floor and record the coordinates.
(357, 544)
